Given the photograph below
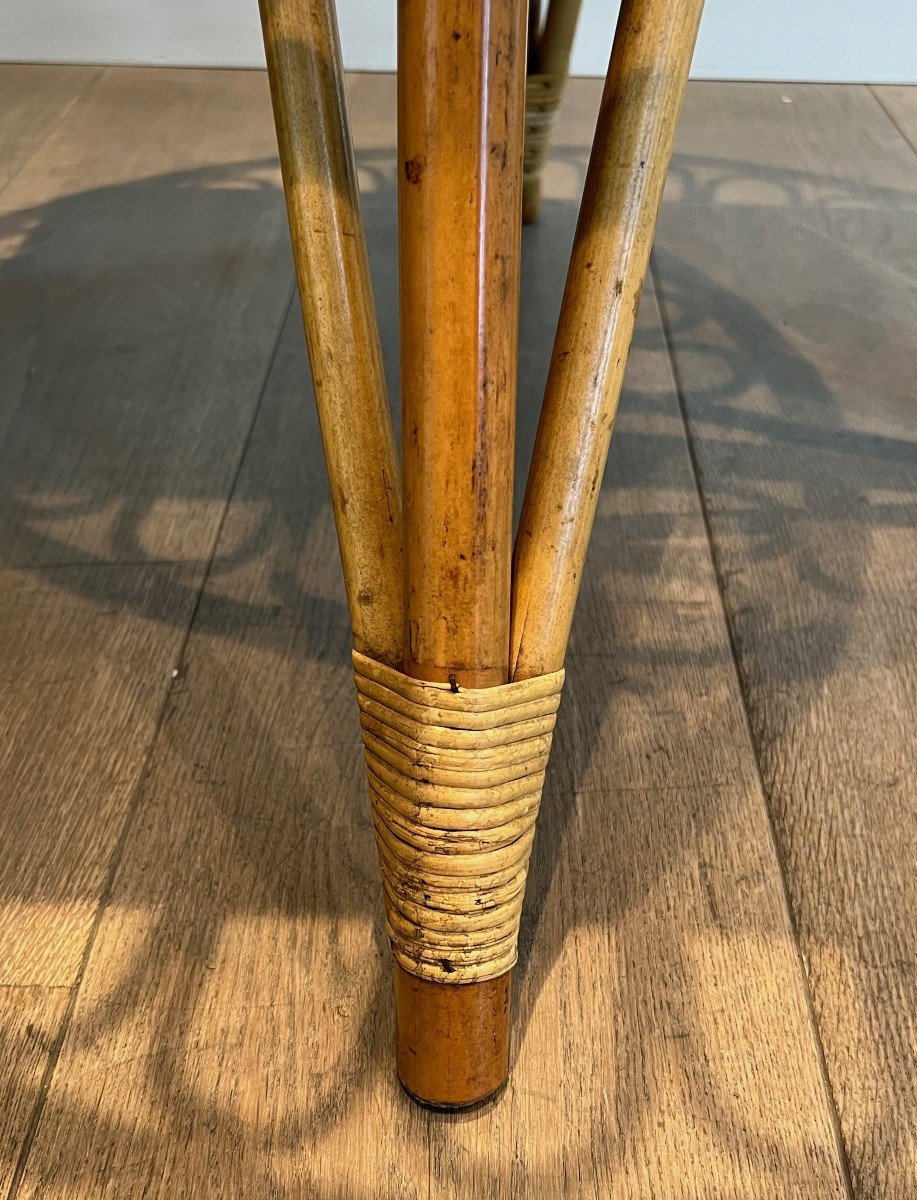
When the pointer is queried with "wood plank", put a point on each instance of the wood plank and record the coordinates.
(145, 276)
(87, 655)
(87, 658)
(250, 582)
(788, 278)
(233, 1031)
(251, 984)
(138, 325)
(33, 100)
(778, 139)
(30, 1019)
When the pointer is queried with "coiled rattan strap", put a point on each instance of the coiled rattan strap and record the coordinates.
(455, 780)
(543, 94)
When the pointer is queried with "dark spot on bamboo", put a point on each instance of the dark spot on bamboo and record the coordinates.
(498, 151)
(413, 169)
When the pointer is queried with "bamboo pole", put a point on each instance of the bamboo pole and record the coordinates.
(332, 271)
(460, 128)
(556, 43)
(549, 60)
(630, 157)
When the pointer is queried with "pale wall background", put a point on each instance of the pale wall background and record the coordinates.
(827, 40)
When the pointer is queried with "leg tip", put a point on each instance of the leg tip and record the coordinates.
(452, 1040)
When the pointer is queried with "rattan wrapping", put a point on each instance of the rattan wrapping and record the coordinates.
(455, 780)
(543, 94)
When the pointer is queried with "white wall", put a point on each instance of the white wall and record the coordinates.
(832, 40)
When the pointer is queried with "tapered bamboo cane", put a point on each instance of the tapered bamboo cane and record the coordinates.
(633, 144)
(332, 270)
(549, 66)
(460, 127)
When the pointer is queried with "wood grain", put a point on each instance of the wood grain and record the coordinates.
(232, 1034)
(788, 273)
(30, 1021)
(244, 999)
(119, 437)
(87, 659)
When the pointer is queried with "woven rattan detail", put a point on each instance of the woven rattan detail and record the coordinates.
(455, 780)
(543, 94)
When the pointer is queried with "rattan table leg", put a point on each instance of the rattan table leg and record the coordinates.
(442, 602)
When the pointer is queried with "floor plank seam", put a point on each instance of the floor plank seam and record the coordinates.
(26, 987)
(114, 862)
(84, 564)
(815, 1032)
(891, 116)
(134, 804)
(61, 117)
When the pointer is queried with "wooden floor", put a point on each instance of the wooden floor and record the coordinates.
(717, 992)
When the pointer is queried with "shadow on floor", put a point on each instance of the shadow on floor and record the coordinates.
(115, 447)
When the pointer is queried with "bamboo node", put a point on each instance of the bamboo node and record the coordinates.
(543, 94)
(455, 780)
